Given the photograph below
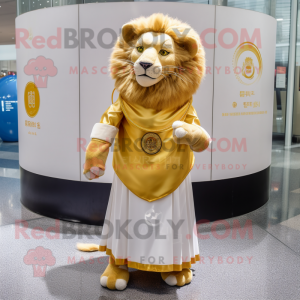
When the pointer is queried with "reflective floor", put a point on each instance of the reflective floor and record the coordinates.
(258, 258)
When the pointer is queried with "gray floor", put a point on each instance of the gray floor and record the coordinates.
(263, 264)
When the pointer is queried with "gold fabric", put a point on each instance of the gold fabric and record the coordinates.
(162, 172)
(148, 267)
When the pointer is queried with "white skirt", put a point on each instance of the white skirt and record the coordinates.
(157, 236)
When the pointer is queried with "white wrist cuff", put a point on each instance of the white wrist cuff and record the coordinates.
(104, 132)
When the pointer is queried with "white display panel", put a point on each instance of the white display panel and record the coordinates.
(231, 91)
(52, 149)
(96, 89)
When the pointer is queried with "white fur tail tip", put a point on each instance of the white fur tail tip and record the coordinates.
(87, 247)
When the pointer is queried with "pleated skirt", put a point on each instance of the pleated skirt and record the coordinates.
(158, 236)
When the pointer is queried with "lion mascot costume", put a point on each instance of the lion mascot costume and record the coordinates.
(157, 63)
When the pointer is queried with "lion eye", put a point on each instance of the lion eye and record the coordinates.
(140, 49)
(163, 52)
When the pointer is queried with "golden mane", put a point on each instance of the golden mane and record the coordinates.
(171, 92)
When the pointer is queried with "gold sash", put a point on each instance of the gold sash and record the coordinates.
(150, 177)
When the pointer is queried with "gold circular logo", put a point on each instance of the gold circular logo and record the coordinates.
(234, 104)
(31, 99)
(247, 63)
(151, 143)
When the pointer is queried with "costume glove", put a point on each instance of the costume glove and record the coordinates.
(95, 158)
(189, 134)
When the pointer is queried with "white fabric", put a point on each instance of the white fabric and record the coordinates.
(104, 132)
(124, 205)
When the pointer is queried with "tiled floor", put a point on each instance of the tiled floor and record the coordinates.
(262, 265)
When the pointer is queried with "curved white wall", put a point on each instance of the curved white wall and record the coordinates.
(73, 101)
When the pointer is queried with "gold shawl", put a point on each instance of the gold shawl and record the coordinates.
(150, 177)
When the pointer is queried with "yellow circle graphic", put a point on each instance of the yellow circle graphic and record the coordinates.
(31, 99)
(247, 73)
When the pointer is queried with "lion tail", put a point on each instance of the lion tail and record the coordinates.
(87, 247)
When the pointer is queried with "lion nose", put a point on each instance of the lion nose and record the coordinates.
(145, 65)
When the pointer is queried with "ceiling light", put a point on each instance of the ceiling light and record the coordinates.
(279, 19)
(13, 38)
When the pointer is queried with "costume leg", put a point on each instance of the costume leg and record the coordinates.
(179, 278)
(115, 277)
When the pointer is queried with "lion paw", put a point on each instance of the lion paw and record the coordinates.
(178, 130)
(115, 277)
(177, 278)
(94, 173)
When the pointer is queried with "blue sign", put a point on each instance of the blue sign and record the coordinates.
(8, 109)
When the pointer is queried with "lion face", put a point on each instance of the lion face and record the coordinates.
(152, 55)
(158, 62)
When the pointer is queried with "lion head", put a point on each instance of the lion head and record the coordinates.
(157, 62)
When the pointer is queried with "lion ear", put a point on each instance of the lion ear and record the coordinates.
(191, 44)
(128, 32)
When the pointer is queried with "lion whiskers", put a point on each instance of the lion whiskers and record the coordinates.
(165, 72)
(170, 66)
(128, 72)
(165, 77)
(124, 60)
(179, 76)
(168, 71)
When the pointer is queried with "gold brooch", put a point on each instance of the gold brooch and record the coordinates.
(151, 143)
